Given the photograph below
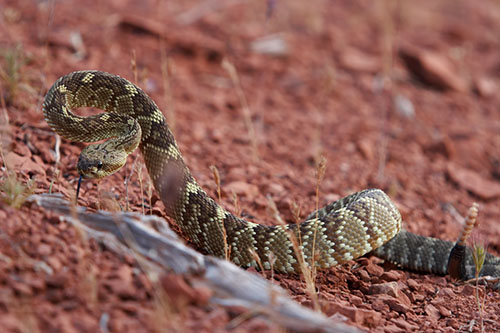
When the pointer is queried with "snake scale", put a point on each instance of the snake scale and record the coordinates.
(341, 231)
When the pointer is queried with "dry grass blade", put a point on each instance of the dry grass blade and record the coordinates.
(140, 175)
(236, 204)
(478, 257)
(13, 191)
(215, 173)
(233, 74)
(227, 247)
(167, 67)
(273, 210)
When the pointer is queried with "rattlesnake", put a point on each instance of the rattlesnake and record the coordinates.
(343, 230)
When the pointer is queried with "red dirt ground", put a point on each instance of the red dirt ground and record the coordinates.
(396, 95)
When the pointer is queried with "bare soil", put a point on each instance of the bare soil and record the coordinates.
(396, 95)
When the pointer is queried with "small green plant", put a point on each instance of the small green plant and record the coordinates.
(479, 256)
(13, 191)
(13, 59)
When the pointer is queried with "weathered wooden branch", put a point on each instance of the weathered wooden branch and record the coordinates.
(152, 238)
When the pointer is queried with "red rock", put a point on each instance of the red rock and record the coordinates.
(57, 280)
(16, 162)
(393, 329)
(359, 316)
(398, 306)
(21, 149)
(128, 307)
(241, 188)
(444, 311)
(380, 306)
(433, 69)
(403, 299)
(36, 283)
(364, 276)
(452, 322)
(391, 276)
(375, 270)
(474, 182)
(124, 290)
(357, 301)
(44, 249)
(443, 146)
(276, 189)
(181, 292)
(366, 148)
(400, 322)
(404, 106)
(485, 87)
(11, 323)
(448, 292)
(432, 312)
(21, 288)
(393, 303)
(441, 281)
(388, 288)
(468, 290)
(354, 60)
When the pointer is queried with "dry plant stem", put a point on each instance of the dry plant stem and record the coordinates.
(387, 10)
(215, 173)
(256, 257)
(273, 210)
(166, 74)
(311, 270)
(295, 209)
(227, 248)
(150, 195)
(14, 190)
(272, 260)
(478, 256)
(236, 204)
(57, 157)
(238, 320)
(139, 175)
(233, 74)
(308, 271)
(127, 181)
(133, 66)
(4, 129)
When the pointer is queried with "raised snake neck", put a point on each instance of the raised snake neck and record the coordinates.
(336, 233)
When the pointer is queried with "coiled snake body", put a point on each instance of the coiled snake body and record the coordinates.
(341, 231)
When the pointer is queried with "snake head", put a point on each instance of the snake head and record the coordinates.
(97, 162)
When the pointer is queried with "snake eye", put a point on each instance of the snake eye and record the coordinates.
(99, 165)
